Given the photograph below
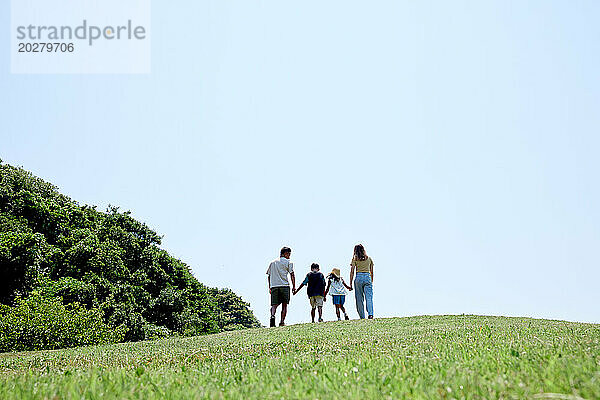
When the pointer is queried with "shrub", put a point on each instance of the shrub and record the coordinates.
(101, 260)
(155, 332)
(42, 323)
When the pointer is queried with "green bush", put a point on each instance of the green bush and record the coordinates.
(155, 332)
(105, 261)
(41, 323)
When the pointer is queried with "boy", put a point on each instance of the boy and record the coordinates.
(315, 288)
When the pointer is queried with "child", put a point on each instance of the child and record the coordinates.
(336, 283)
(315, 289)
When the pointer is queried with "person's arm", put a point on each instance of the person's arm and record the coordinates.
(327, 289)
(293, 280)
(299, 287)
(351, 275)
(347, 287)
(371, 271)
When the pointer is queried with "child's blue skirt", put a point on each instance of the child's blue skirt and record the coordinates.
(341, 299)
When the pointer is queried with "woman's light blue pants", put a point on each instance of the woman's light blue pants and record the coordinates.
(363, 289)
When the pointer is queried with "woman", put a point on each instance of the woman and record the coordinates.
(364, 280)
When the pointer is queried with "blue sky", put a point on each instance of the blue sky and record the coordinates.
(458, 141)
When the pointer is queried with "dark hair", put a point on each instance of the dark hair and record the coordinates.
(334, 277)
(285, 250)
(314, 266)
(359, 252)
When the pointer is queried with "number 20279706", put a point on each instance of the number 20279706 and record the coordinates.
(46, 48)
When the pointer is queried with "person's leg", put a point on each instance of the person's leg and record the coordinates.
(342, 302)
(358, 295)
(312, 314)
(273, 311)
(284, 299)
(318, 303)
(283, 314)
(274, 304)
(369, 297)
(337, 310)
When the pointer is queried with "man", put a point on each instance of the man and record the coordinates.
(315, 288)
(279, 287)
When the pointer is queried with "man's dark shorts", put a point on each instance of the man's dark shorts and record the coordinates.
(280, 295)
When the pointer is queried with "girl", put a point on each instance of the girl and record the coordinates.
(337, 284)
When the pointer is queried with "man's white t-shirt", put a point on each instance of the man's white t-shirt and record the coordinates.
(278, 272)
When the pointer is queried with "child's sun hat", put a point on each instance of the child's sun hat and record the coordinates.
(336, 272)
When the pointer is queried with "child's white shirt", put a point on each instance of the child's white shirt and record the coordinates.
(337, 288)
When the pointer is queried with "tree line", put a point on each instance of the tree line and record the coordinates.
(72, 275)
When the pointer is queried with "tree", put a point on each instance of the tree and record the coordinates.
(104, 261)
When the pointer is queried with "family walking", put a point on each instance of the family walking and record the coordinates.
(317, 286)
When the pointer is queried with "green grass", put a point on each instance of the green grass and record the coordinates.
(419, 357)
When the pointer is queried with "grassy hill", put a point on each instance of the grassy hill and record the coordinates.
(418, 357)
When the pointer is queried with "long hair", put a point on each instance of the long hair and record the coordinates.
(359, 252)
